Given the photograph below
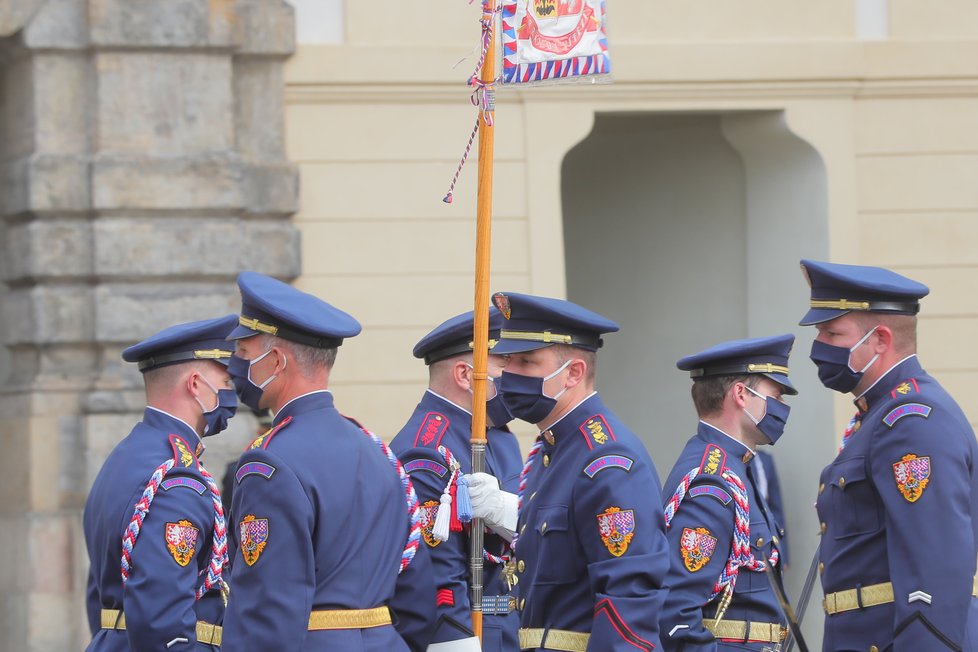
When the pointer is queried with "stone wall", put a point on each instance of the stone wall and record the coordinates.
(142, 167)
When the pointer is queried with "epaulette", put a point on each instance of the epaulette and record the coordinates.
(714, 460)
(433, 428)
(262, 440)
(596, 431)
(906, 387)
(182, 454)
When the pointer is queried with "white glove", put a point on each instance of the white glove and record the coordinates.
(496, 508)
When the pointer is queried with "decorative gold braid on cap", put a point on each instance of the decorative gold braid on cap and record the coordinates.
(766, 368)
(256, 325)
(840, 304)
(211, 354)
(531, 336)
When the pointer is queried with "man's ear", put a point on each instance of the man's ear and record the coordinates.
(576, 372)
(462, 375)
(885, 339)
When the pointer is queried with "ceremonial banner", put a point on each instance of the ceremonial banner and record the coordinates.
(545, 40)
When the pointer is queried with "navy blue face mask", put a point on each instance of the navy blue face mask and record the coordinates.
(833, 364)
(496, 409)
(524, 395)
(775, 416)
(240, 372)
(216, 419)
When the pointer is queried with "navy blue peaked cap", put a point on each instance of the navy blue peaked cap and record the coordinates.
(767, 356)
(199, 340)
(532, 322)
(272, 307)
(838, 289)
(454, 336)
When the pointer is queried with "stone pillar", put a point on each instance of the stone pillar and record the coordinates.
(142, 167)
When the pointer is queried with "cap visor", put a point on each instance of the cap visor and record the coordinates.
(506, 347)
(241, 332)
(819, 315)
(782, 380)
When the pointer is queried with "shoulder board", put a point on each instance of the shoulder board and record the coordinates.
(253, 468)
(424, 464)
(596, 431)
(183, 481)
(182, 454)
(710, 490)
(608, 462)
(261, 441)
(908, 386)
(714, 460)
(906, 410)
(433, 428)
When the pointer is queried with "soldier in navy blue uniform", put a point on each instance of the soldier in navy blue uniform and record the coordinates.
(591, 545)
(720, 527)
(897, 505)
(444, 418)
(321, 518)
(159, 600)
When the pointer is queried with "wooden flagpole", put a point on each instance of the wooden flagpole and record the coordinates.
(480, 350)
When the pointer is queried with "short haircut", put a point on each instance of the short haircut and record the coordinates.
(708, 393)
(904, 328)
(307, 358)
(567, 352)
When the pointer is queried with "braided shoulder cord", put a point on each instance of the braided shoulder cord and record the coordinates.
(537, 445)
(139, 515)
(219, 549)
(453, 464)
(413, 506)
(740, 554)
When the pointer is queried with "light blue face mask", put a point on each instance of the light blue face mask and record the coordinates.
(775, 416)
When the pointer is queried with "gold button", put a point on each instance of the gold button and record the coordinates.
(522, 603)
(546, 460)
(520, 566)
(824, 528)
(821, 568)
(760, 542)
(873, 648)
(856, 427)
(821, 488)
(774, 539)
(842, 481)
(543, 528)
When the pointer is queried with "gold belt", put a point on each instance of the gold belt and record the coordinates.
(349, 618)
(553, 639)
(206, 632)
(737, 629)
(867, 596)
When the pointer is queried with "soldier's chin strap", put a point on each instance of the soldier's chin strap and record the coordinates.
(794, 627)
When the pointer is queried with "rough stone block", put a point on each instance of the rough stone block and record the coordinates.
(48, 314)
(58, 24)
(207, 182)
(45, 609)
(48, 248)
(63, 102)
(270, 247)
(265, 27)
(259, 94)
(129, 313)
(51, 537)
(150, 23)
(59, 184)
(14, 186)
(17, 107)
(14, 466)
(271, 189)
(63, 367)
(166, 247)
(171, 104)
(14, 14)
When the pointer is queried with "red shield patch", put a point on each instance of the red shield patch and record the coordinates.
(429, 511)
(181, 541)
(616, 527)
(254, 537)
(912, 475)
(697, 548)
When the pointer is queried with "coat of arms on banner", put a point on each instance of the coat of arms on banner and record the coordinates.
(181, 541)
(429, 512)
(254, 537)
(553, 39)
(697, 547)
(912, 475)
(616, 527)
